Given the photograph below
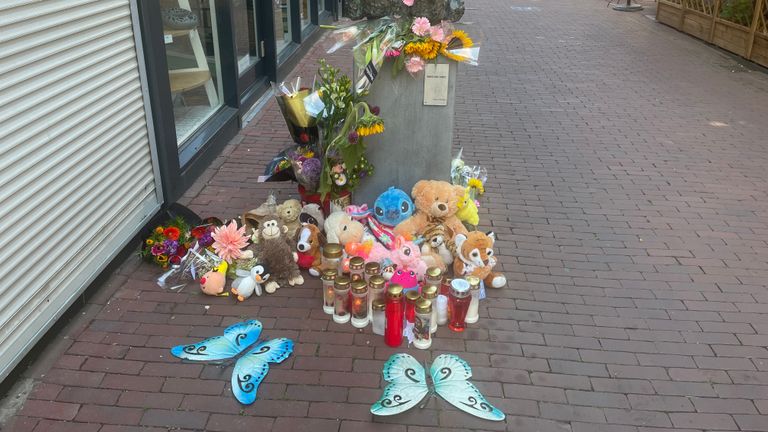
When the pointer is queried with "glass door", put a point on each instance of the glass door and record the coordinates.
(252, 41)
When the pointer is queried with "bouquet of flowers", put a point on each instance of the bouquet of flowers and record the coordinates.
(168, 243)
(306, 168)
(472, 177)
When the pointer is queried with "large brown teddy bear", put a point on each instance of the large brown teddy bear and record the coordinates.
(436, 203)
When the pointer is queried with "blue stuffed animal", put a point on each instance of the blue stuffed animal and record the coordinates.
(392, 207)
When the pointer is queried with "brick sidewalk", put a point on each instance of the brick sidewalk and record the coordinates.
(629, 172)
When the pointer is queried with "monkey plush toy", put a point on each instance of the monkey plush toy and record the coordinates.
(275, 252)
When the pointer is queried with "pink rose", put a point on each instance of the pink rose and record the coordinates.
(408, 2)
(437, 33)
(421, 26)
(414, 65)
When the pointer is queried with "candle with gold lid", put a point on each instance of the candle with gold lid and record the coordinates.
(356, 268)
(410, 305)
(341, 300)
(458, 303)
(429, 292)
(378, 319)
(371, 269)
(393, 325)
(332, 254)
(328, 277)
(359, 303)
(434, 276)
(445, 286)
(473, 311)
(421, 325)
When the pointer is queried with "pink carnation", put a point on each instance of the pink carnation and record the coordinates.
(392, 53)
(421, 26)
(437, 33)
(414, 65)
(408, 2)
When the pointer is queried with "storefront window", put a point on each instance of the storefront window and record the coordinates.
(245, 34)
(191, 47)
(305, 17)
(282, 12)
(320, 6)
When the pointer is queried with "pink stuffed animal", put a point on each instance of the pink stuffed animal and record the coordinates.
(406, 255)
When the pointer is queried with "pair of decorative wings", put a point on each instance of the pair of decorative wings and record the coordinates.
(251, 367)
(449, 373)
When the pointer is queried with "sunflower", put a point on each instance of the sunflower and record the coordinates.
(373, 129)
(426, 50)
(150, 242)
(456, 40)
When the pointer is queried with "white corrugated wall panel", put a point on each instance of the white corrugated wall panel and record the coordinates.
(78, 176)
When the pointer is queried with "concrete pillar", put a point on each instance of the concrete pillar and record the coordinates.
(416, 143)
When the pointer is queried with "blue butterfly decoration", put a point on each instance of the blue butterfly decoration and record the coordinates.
(251, 367)
(449, 374)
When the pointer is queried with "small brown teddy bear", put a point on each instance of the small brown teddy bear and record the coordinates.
(275, 252)
(436, 203)
(289, 212)
(474, 256)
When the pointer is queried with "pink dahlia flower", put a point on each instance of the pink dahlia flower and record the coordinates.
(408, 2)
(414, 65)
(229, 240)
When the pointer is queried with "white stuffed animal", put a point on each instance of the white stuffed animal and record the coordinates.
(249, 281)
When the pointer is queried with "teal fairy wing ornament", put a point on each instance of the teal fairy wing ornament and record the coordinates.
(450, 377)
(251, 367)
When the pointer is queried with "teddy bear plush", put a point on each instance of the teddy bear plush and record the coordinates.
(342, 229)
(434, 249)
(289, 212)
(474, 256)
(436, 203)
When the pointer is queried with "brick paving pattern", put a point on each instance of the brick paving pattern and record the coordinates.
(628, 188)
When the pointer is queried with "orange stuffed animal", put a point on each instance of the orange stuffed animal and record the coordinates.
(474, 256)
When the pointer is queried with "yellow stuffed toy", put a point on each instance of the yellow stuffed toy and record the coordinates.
(468, 212)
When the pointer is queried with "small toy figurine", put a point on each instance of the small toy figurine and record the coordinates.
(309, 244)
(213, 282)
(249, 282)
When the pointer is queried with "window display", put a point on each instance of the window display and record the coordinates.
(191, 48)
(282, 11)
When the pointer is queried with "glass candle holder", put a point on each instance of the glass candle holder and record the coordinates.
(434, 276)
(371, 269)
(356, 268)
(393, 324)
(445, 286)
(359, 303)
(422, 323)
(378, 319)
(376, 290)
(341, 300)
(473, 311)
(328, 277)
(429, 292)
(458, 304)
(331, 259)
(442, 310)
(410, 305)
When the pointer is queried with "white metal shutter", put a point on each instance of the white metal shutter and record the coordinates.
(78, 176)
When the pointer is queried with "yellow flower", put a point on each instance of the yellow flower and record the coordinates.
(150, 242)
(162, 258)
(373, 129)
(159, 230)
(457, 39)
(309, 154)
(477, 185)
(426, 50)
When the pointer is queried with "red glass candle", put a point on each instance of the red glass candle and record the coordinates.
(393, 327)
(410, 305)
(458, 303)
(445, 287)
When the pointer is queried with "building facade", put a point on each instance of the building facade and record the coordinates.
(109, 110)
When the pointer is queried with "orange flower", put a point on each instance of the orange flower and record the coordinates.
(159, 230)
(171, 233)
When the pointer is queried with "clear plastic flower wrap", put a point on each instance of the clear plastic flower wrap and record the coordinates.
(369, 55)
(194, 264)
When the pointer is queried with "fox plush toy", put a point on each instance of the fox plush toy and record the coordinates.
(474, 256)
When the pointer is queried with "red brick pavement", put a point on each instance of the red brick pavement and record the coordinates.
(628, 189)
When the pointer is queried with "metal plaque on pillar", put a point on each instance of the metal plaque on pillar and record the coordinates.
(417, 142)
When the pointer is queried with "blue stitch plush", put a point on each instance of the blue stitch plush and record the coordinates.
(392, 207)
